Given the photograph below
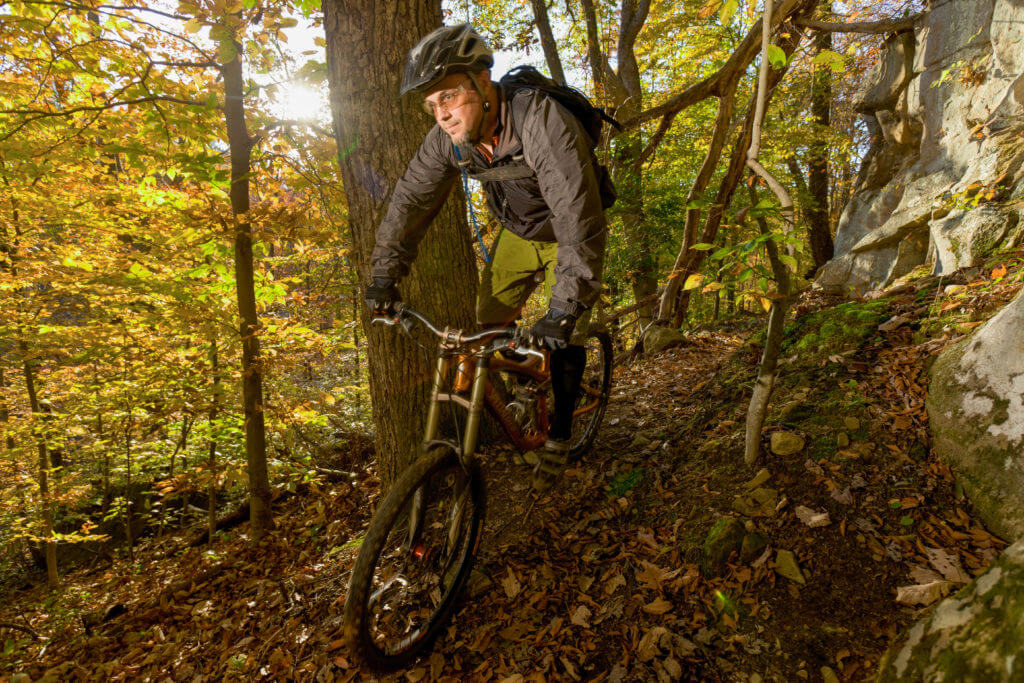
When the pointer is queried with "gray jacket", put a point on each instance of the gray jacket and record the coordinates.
(560, 203)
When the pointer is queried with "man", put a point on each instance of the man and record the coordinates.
(554, 224)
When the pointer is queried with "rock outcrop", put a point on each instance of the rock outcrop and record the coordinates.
(943, 182)
(976, 412)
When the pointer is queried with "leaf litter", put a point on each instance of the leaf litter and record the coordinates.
(600, 580)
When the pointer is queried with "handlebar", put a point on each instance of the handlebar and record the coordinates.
(503, 337)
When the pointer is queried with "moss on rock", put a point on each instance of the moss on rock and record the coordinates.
(975, 635)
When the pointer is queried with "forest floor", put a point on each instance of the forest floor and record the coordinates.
(630, 569)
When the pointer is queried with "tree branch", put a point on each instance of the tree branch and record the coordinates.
(738, 61)
(888, 26)
(547, 40)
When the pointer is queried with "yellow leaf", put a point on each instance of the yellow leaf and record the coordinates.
(713, 287)
(693, 281)
(709, 8)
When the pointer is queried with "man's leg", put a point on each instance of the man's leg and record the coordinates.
(567, 366)
(507, 281)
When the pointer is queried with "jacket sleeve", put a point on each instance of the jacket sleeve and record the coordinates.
(418, 196)
(557, 148)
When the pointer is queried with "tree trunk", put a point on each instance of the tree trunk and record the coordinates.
(377, 134)
(773, 341)
(547, 40)
(5, 414)
(623, 87)
(819, 225)
(52, 580)
(240, 146)
(211, 463)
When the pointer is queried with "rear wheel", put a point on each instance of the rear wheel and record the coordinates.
(592, 399)
(415, 559)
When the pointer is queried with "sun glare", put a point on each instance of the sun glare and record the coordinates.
(299, 103)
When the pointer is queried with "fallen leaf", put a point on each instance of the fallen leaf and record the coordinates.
(844, 496)
(924, 575)
(581, 616)
(613, 584)
(647, 648)
(947, 565)
(923, 594)
(811, 518)
(511, 585)
(657, 606)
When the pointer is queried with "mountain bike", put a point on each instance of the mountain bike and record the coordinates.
(419, 549)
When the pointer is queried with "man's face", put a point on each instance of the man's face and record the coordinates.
(457, 107)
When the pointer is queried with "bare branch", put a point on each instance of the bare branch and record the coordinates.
(888, 26)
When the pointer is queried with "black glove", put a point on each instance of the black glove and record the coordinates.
(382, 295)
(553, 330)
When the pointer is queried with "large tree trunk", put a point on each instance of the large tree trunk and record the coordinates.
(240, 145)
(377, 134)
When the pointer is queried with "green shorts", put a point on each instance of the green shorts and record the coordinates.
(518, 266)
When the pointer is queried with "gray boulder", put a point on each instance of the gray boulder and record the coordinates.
(659, 338)
(976, 635)
(976, 410)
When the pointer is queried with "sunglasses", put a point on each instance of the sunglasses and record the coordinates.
(448, 100)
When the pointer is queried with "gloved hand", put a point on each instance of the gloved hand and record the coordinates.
(382, 295)
(553, 330)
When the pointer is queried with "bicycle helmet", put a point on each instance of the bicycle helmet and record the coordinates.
(447, 50)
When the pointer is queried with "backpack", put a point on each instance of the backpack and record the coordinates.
(590, 117)
(593, 118)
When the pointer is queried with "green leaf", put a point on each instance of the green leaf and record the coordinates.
(226, 51)
(193, 25)
(702, 246)
(833, 60)
(776, 56)
(906, 520)
(788, 260)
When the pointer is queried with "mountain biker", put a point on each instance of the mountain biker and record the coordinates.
(554, 223)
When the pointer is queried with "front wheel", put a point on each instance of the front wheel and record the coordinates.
(592, 399)
(415, 559)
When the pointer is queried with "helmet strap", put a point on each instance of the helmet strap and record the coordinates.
(476, 85)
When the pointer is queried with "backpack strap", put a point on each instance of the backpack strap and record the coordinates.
(469, 200)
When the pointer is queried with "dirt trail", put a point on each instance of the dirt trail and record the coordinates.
(611, 576)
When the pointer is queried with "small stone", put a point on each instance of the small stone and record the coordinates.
(725, 537)
(758, 503)
(843, 440)
(812, 518)
(753, 545)
(531, 457)
(787, 567)
(852, 423)
(640, 441)
(760, 478)
(828, 675)
(786, 443)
